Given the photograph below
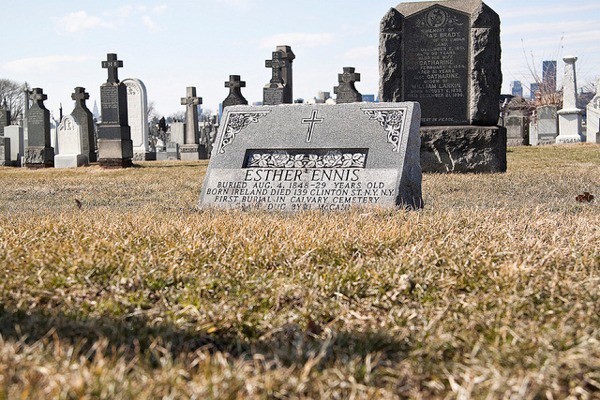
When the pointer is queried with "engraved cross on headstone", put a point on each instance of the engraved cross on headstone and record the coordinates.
(80, 96)
(312, 121)
(191, 99)
(113, 65)
(277, 63)
(38, 96)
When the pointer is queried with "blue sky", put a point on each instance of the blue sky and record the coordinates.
(59, 44)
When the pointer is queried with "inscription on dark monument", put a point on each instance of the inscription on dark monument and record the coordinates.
(110, 104)
(436, 67)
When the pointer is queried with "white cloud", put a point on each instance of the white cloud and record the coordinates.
(79, 21)
(149, 23)
(297, 40)
(536, 11)
(159, 9)
(235, 3)
(42, 64)
(360, 53)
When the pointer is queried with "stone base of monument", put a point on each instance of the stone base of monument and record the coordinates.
(115, 153)
(71, 161)
(569, 126)
(144, 156)
(193, 152)
(39, 157)
(463, 149)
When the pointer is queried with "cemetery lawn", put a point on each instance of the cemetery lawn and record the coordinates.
(492, 291)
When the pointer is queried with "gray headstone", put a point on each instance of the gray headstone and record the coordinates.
(115, 148)
(235, 96)
(446, 56)
(517, 130)
(346, 91)
(84, 118)
(178, 133)
(4, 120)
(319, 157)
(286, 73)
(39, 153)
(192, 150)
(547, 124)
(274, 91)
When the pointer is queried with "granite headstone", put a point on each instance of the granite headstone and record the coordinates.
(39, 153)
(274, 91)
(84, 118)
(346, 91)
(235, 96)
(547, 124)
(4, 120)
(115, 148)
(318, 157)
(192, 150)
(593, 117)
(446, 56)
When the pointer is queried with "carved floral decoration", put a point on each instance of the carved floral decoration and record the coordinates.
(237, 122)
(331, 159)
(392, 121)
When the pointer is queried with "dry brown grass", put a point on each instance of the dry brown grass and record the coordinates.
(492, 291)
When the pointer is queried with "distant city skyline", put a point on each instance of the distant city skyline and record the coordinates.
(59, 45)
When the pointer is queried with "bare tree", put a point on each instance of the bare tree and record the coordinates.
(12, 98)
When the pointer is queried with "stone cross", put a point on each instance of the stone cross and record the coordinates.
(235, 96)
(312, 121)
(113, 65)
(191, 115)
(80, 96)
(277, 63)
(346, 90)
(38, 96)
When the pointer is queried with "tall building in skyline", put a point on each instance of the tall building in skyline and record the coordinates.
(549, 76)
(516, 88)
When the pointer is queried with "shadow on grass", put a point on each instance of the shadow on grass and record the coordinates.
(131, 337)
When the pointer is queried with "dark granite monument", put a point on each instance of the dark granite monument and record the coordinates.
(115, 148)
(39, 153)
(346, 91)
(446, 56)
(274, 91)
(192, 150)
(316, 157)
(286, 74)
(235, 97)
(84, 117)
(5, 146)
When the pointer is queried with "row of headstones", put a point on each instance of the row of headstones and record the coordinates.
(31, 145)
(547, 124)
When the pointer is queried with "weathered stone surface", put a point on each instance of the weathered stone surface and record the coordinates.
(452, 61)
(593, 116)
(346, 90)
(569, 117)
(73, 144)
(39, 153)
(463, 149)
(5, 151)
(317, 157)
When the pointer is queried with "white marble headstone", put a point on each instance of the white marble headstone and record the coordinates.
(137, 111)
(73, 144)
(593, 116)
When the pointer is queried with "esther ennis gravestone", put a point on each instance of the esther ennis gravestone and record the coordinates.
(318, 157)
(446, 56)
